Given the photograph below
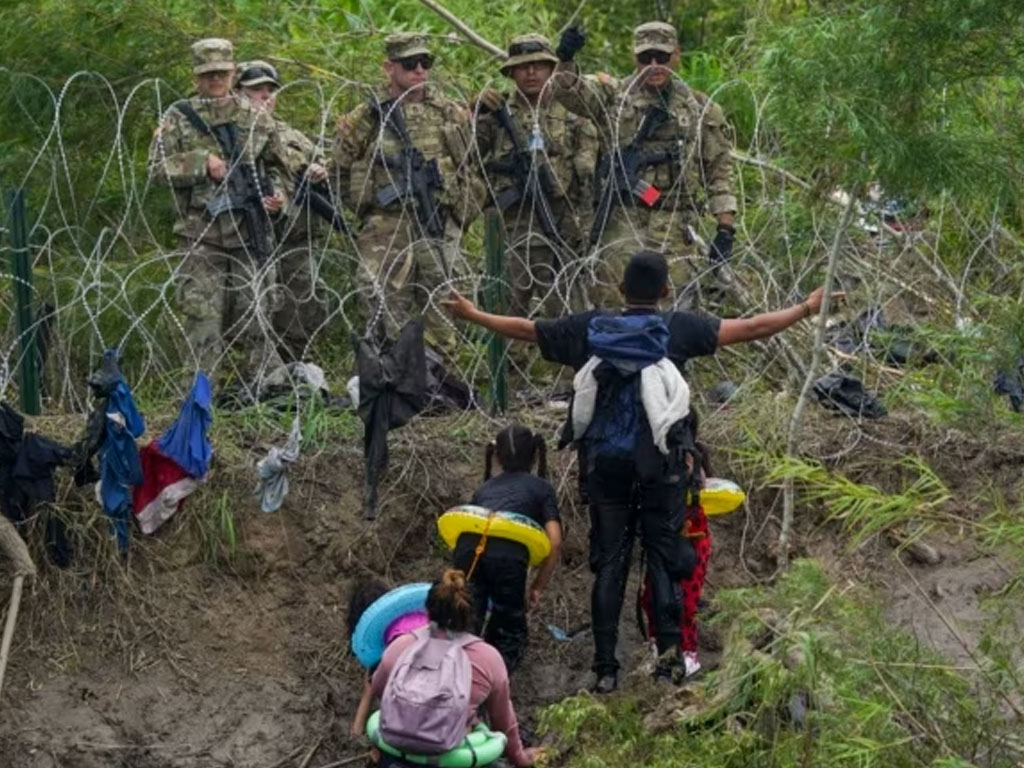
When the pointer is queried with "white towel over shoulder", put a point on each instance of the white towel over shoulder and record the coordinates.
(663, 391)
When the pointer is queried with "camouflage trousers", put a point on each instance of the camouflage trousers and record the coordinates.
(401, 276)
(533, 269)
(302, 309)
(226, 302)
(629, 231)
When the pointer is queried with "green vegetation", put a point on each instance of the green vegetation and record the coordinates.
(811, 676)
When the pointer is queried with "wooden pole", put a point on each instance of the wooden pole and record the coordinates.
(12, 618)
(21, 269)
(460, 25)
(15, 549)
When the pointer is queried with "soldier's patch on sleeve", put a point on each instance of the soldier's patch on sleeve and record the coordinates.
(344, 126)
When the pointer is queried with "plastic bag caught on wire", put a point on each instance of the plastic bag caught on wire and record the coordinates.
(273, 470)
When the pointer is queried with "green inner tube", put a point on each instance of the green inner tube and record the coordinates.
(482, 746)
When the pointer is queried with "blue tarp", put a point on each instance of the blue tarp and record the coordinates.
(185, 441)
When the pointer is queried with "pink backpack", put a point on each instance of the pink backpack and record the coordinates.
(425, 708)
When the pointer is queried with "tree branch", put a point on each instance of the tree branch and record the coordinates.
(812, 372)
(460, 25)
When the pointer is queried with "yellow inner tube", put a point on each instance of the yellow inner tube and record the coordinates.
(504, 525)
(719, 496)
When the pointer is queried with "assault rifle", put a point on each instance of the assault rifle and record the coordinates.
(532, 179)
(416, 179)
(621, 171)
(243, 193)
(318, 197)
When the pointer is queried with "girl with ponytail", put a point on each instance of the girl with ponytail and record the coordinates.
(498, 576)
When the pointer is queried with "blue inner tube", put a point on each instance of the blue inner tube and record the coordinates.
(368, 638)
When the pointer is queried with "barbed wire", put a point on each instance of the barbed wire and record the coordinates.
(105, 277)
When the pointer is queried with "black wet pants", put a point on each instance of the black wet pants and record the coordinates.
(620, 505)
(501, 582)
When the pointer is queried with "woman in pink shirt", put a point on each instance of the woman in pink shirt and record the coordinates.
(450, 608)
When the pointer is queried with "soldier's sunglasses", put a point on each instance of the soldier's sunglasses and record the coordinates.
(410, 64)
(521, 48)
(646, 57)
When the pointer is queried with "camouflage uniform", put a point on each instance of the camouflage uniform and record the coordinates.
(223, 293)
(300, 312)
(567, 144)
(698, 178)
(403, 271)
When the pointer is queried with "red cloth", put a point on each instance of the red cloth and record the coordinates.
(490, 688)
(164, 485)
(699, 533)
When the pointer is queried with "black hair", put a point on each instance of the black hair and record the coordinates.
(364, 593)
(645, 276)
(450, 603)
(517, 448)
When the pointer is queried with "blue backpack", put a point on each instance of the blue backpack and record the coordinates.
(626, 344)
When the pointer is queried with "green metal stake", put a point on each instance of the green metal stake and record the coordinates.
(21, 267)
(495, 301)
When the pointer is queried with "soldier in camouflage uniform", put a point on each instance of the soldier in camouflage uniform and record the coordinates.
(689, 169)
(224, 291)
(301, 311)
(558, 152)
(407, 252)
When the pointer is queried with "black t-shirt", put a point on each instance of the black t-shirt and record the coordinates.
(564, 340)
(519, 492)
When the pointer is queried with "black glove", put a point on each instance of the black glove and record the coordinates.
(721, 247)
(572, 40)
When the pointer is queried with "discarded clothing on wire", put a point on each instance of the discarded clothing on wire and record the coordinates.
(176, 463)
(120, 466)
(871, 332)
(445, 392)
(27, 465)
(1011, 384)
(185, 441)
(841, 392)
(392, 389)
(273, 470)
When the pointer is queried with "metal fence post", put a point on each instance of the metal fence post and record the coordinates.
(21, 268)
(495, 301)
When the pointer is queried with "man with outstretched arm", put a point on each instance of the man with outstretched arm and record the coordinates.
(642, 488)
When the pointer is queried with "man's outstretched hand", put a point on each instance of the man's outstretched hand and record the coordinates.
(813, 302)
(458, 306)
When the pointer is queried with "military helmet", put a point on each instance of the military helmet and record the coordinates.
(256, 72)
(523, 49)
(655, 36)
(212, 54)
(404, 45)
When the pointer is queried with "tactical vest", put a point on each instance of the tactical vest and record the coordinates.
(431, 131)
(252, 133)
(679, 178)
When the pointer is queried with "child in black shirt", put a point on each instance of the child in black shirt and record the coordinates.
(499, 575)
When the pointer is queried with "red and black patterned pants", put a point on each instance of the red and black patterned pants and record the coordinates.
(690, 589)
